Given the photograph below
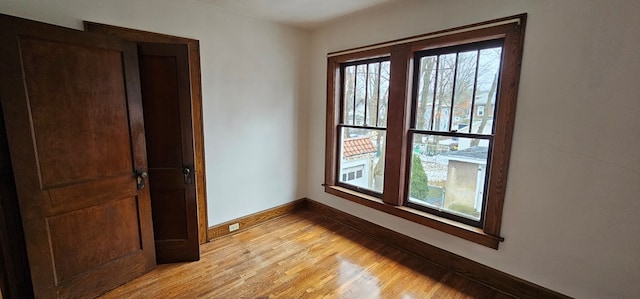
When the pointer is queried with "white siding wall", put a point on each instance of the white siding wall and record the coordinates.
(363, 163)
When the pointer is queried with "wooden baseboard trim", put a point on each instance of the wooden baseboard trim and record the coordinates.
(245, 222)
(462, 266)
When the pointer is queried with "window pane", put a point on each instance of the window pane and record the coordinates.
(444, 91)
(485, 100)
(383, 93)
(465, 80)
(448, 174)
(362, 158)
(349, 85)
(372, 93)
(426, 86)
(361, 78)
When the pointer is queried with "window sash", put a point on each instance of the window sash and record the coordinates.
(344, 119)
(443, 212)
(437, 52)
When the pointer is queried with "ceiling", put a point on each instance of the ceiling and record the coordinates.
(306, 14)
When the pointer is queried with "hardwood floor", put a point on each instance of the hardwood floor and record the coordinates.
(302, 255)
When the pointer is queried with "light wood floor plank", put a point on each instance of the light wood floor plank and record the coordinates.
(302, 255)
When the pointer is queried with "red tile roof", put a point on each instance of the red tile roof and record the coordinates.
(358, 146)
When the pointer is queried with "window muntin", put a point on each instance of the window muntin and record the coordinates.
(362, 127)
(453, 150)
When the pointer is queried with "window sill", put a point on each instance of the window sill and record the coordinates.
(451, 227)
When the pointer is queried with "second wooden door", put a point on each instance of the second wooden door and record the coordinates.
(166, 97)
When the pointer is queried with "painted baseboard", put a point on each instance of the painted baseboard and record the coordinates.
(221, 230)
(462, 266)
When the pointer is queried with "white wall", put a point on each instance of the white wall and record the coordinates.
(572, 209)
(570, 216)
(253, 79)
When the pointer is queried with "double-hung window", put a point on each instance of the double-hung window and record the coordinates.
(450, 144)
(421, 128)
(362, 126)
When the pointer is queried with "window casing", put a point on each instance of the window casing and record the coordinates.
(458, 131)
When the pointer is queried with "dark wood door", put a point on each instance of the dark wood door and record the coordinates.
(73, 115)
(196, 103)
(15, 281)
(166, 98)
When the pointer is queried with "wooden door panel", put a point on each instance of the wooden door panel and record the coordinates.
(73, 113)
(159, 93)
(91, 193)
(169, 201)
(92, 283)
(61, 160)
(121, 239)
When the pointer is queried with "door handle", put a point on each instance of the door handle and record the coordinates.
(187, 175)
(141, 175)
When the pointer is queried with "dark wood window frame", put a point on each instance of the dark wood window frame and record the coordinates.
(398, 158)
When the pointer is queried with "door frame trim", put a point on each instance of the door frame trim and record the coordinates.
(196, 103)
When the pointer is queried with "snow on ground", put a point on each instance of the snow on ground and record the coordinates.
(435, 167)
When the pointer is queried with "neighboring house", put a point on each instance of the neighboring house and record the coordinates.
(466, 173)
(480, 107)
(358, 154)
